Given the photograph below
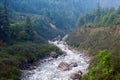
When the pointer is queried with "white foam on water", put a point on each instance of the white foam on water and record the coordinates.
(48, 70)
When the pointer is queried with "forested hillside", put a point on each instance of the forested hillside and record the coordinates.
(100, 18)
(23, 40)
(100, 35)
(63, 13)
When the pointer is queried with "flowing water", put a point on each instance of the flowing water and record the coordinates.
(47, 68)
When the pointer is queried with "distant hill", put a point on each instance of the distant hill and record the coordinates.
(64, 13)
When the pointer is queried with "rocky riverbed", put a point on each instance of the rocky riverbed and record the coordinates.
(69, 66)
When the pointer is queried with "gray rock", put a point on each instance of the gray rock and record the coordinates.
(73, 64)
(63, 66)
(75, 76)
(53, 55)
(64, 53)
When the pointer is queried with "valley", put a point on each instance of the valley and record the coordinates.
(33, 46)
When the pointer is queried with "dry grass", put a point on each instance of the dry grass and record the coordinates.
(117, 29)
(92, 31)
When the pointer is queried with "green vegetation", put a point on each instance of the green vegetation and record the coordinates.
(23, 40)
(95, 39)
(100, 18)
(105, 66)
(62, 13)
(25, 28)
(106, 63)
(58, 12)
(102, 42)
(19, 55)
(18, 26)
(4, 22)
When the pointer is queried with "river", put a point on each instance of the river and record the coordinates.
(47, 69)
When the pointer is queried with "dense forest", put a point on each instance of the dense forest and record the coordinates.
(27, 25)
(100, 18)
(61, 13)
(22, 41)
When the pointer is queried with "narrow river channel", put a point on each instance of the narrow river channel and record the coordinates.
(48, 68)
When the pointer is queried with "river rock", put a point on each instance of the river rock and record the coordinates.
(73, 64)
(50, 59)
(63, 66)
(75, 76)
(63, 53)
(54, 55)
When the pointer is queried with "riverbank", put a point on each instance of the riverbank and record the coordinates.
(49, 70)
(20, 56)
(104, 45)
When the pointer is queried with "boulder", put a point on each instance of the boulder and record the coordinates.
(50, 59)
(63, 66)
(73, 64)
(75, 76)
(63, 53)
(53, 54)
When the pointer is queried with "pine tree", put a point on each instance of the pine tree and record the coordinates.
(4, 23)
(1, 15)
(118, 10)
(4, 15)
(98, 15)
(28, 28)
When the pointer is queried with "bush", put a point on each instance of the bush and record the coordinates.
(17, 56)
(103, 68)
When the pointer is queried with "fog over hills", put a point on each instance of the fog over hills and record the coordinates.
(110, 3)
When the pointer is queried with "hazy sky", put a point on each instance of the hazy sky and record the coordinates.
(109, 3)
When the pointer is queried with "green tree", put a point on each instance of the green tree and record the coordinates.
(101, 67)
(5, 19)
(118, 10)
(98, 15)
(113, 19)
(28, 28)
(4, 22)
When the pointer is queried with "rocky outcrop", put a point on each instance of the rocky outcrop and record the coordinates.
(75, 76)
(63, 53)
(54, 55)
(73, 64)
(63, 66)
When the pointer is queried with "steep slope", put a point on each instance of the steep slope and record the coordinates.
(63, 13)
(39, 23)
(102, 42)
(23, 40)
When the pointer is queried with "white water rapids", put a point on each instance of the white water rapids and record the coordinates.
(48, 70)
